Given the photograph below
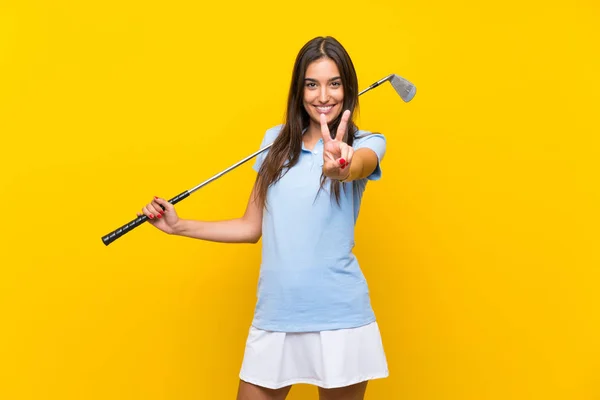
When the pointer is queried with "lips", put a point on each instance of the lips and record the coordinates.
(324, 109)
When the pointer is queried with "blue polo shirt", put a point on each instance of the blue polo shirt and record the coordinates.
(309, 278)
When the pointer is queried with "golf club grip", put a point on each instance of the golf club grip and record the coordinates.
(117, 233)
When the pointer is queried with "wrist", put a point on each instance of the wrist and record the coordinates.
(177, 228)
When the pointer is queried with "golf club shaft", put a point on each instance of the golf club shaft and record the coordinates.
(117, 233)
(374, 85)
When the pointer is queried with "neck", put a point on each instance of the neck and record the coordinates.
(313, 133)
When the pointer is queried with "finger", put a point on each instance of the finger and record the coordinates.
(155, 209)
(148, 213)
(325, 129)
(158, 207)
(343, 155)
(329, 156)
(164, 204)
(350, 155)
(344, 152)
(343, 126)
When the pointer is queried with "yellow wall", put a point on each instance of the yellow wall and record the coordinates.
(480, 244)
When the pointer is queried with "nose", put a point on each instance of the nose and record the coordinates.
(324, 94)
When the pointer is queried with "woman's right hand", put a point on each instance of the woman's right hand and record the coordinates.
(166, 219)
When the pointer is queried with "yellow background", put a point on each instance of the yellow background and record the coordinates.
(480, 244)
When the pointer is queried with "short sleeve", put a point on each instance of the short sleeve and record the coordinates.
(375, 142)
(268, 138)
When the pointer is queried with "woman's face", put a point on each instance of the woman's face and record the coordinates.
(323, 91)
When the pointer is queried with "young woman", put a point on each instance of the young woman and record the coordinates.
(313, 322)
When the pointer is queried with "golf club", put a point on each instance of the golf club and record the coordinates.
(404, 88)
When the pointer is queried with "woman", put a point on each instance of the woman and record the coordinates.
(313, 321)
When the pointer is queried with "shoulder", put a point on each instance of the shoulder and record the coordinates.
(374, 141)
(363, 138)
(268, 138)
(272, 133)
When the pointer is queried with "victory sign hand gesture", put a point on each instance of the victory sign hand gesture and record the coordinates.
(337, 155)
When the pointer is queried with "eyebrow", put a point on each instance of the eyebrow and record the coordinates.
(314, 80)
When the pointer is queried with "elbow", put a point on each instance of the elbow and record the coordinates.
(255, 238)
(254, 235)
(252, 230)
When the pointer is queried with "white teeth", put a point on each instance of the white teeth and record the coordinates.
(324, 109)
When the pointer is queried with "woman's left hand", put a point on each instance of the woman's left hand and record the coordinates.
(337, 155)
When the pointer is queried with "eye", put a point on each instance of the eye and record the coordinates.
(311, 85)
(336, 84)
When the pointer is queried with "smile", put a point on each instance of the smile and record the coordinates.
(324, 109)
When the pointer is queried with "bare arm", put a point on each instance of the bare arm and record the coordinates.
(340, 161)
(362, 164)
(246, 229)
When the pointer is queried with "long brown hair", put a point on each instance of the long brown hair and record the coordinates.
(285, 151)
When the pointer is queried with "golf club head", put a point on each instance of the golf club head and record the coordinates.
(404, 88)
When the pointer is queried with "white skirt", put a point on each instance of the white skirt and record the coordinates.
(327, 359)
